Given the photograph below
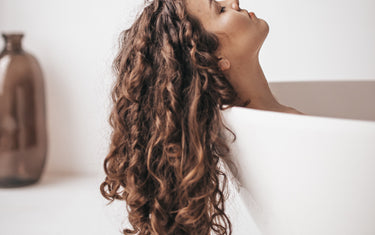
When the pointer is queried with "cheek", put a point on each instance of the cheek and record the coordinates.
(239, 28)
(238, 35)
(234, 23)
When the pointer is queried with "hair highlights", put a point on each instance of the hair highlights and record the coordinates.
(167, 135)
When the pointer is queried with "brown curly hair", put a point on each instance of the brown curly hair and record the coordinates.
(168, 136)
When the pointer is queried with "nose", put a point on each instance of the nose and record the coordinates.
(235, 4)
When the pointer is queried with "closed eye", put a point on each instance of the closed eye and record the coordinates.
(221, 9)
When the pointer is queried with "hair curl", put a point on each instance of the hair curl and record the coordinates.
(167, 135)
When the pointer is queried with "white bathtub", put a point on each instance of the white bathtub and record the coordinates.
(311, 174)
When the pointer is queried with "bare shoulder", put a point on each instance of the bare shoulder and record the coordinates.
(294, 111)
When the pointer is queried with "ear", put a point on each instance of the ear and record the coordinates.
(224, 63)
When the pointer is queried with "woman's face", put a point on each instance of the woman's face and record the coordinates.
(241, 34)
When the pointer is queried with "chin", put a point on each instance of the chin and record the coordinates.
(265, 28)
(263, 32)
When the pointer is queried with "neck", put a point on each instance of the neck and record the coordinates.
(251, 84)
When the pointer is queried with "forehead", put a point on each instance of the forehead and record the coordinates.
(200, 8)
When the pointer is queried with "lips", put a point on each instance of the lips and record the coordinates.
(252, 15)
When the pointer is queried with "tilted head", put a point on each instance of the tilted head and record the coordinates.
(241, 34)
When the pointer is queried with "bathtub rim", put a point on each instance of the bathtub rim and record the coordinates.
(282, 115)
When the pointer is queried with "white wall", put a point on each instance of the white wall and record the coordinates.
(75, 42)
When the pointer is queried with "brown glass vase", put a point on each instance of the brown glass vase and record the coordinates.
(23, 137)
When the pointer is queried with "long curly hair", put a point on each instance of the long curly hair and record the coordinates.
(168, 134)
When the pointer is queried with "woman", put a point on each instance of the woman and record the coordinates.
(179, 65)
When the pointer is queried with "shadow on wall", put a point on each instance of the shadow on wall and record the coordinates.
(338, 99)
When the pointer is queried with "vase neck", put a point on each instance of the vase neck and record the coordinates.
(13, 42)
